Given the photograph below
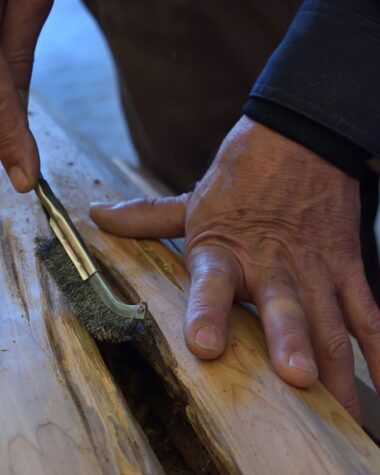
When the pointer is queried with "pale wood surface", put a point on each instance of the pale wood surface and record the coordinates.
(60, 411)
(248, 418)
(153, 189)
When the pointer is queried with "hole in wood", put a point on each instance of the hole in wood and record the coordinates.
(160, 414)
(159, 360)
(142, 372)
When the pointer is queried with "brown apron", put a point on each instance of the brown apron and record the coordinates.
(185, 68)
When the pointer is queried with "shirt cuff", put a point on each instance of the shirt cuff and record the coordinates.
(322, 82)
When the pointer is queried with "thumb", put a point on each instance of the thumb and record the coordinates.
(142, 218)
(214, 276)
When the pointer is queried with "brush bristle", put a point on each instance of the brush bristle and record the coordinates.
(99, 320)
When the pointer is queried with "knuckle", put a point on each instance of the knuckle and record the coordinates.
(284, 303)
(12, 128)
(337, 346)
(20, 58)
(213, 265)
(292, 335)
(277, 277)
(9, 138)
(351, 404)
(323, 294)
(204, 273)
(200, 311)
(329, 291)
(353, 273)
(349, 247)
(272, 242)
(370, 324)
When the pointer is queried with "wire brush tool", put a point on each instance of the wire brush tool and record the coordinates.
(80, 279)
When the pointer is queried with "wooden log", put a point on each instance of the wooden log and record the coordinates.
(369, 401)
(250, 421)
(62, 410)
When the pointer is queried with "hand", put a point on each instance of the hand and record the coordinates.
(275, 224)
(20, 24)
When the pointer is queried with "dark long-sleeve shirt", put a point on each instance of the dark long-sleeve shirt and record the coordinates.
(321, 87)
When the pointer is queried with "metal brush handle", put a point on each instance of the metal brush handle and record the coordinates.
(102, 288)
(66, 232)
(71, 240)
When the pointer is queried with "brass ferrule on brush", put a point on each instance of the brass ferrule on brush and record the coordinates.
(62, 226)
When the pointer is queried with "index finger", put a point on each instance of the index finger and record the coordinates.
(18, 150)
(21, 24)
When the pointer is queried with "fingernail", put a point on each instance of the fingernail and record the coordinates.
(301, 361)
(207, 337)
(18, 178)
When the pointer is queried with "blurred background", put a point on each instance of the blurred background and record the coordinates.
(74, 74)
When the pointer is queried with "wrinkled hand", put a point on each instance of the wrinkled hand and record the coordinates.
(271, 223)
(20, 24)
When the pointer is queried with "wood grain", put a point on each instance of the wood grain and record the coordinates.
(248, 418)
(60, 410)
